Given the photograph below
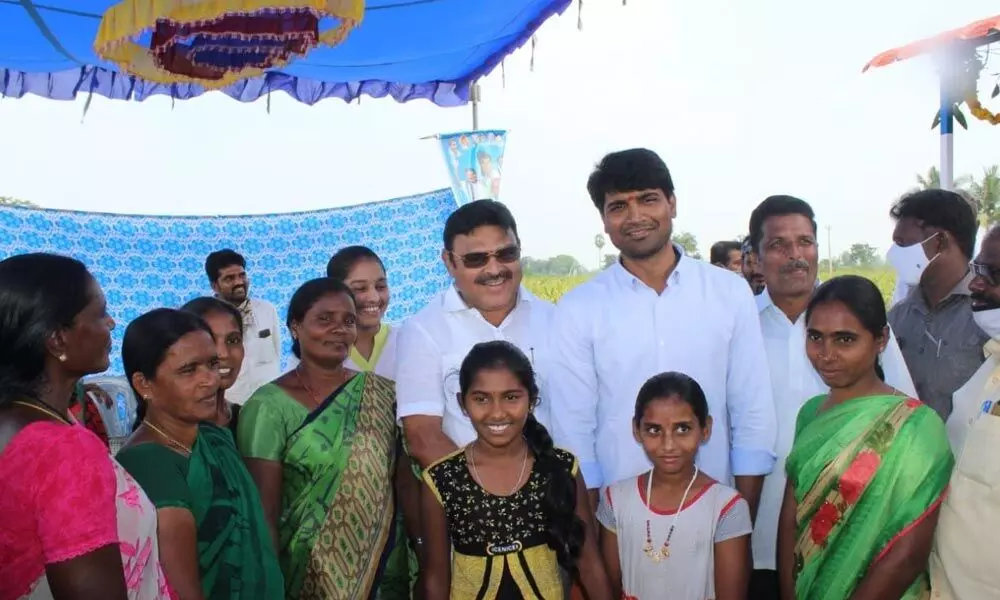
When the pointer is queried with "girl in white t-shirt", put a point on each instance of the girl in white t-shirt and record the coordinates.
(674, 532)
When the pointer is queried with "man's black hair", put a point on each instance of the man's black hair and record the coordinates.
(719, 254)
(474, 215)
(943, 209)
(777, 206)
(219, 260)
(628, 171)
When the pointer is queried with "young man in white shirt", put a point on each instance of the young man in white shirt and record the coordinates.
(226, 270)
(783, 236)
(654, 311)
(486, 302)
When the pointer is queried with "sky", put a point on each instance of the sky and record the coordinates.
(742, 100)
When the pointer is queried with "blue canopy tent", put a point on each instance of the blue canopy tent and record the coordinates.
(406, 49)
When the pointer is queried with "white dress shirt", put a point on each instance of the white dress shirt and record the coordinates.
(793, 382)
(975, 398)
(433, 343)
(613, 333)
(262, 351)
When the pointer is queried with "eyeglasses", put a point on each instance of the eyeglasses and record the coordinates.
(478, 260)
(987, 272)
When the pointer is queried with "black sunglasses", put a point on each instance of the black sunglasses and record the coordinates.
(478, 260)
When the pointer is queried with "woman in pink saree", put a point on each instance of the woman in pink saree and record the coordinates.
(73, 524)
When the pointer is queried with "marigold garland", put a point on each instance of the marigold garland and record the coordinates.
(980, 112)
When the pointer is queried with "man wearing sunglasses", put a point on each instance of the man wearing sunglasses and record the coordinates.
(485, 302)
(657, 310)
(963, 561)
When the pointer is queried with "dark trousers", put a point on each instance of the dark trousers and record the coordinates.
(764, 585)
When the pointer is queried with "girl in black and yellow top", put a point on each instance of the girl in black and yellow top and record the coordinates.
(507, 504)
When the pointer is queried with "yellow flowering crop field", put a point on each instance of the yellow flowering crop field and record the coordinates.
(552, 288)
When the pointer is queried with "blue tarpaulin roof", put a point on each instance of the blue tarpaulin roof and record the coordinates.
(406, 49)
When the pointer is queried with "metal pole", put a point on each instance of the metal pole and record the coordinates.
(474, 94)
(947, 116)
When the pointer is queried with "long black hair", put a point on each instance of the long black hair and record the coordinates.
(40, 294)
(862, 298)
(148, 339)
(566, 531)
(308, 295)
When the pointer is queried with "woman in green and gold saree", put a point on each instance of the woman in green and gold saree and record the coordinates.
(868, 469)
(322, 444)
(214, 542)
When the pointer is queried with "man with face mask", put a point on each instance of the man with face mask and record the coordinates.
(963, 563)
(933, 241)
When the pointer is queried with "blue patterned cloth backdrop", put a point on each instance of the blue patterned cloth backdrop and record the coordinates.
(144, 262)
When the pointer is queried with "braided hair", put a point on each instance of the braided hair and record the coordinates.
(566, 530)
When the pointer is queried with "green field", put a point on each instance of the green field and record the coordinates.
(552, 288)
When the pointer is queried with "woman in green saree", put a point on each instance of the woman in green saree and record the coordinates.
(213, 538)
(322, 445)
(868, 469)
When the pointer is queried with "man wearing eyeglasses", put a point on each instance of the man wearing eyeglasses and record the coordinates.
(933, 242)
(485, 302)
(963, 561)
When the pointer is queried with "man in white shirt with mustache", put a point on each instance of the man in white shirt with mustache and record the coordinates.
(226, 270)
(486, 302)
(783, 236)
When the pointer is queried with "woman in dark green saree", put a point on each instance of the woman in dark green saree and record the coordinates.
(213, 539)
(322, 444)
(868, 469)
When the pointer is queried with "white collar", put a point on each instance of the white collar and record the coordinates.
(453, 301)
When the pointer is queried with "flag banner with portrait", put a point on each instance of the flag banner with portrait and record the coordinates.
(474, 160)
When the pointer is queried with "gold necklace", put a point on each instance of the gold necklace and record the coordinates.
(170, 441)
(312, 395)
(305, 386)
(46, 409)
(479, 480)
(664, 552)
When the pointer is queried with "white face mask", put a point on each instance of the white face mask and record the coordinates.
(988, 320)
(910, 262)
